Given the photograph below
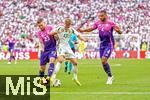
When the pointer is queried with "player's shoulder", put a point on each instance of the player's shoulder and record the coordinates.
(75, 32)
(50, 27)
(72, 29)
(110, 22)
(60, 29)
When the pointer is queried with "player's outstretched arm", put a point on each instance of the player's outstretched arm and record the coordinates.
(86, 30)
(80, 36)
(117, 29)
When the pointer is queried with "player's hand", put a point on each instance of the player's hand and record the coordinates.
(79, 30)
(76, 42)
(117, 29)
(85, 40)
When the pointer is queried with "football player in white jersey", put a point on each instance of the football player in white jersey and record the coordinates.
(64, 50)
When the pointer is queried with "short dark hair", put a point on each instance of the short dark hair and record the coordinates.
(39, 20)
(103, 11)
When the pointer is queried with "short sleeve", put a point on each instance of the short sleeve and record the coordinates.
(58, 29)
(112, 24)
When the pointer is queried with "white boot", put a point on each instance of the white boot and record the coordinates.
(110, 80)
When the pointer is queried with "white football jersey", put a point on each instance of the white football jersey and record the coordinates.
(64, 35)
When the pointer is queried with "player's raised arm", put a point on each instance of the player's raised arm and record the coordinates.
(86, 30)
(80, 36)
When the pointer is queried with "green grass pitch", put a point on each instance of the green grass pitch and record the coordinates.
(132, 80)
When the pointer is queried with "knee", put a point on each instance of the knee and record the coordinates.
(61, 59)
(75, 63)
(42, 68)
(104, 61)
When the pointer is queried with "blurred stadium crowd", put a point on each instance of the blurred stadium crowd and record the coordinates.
(18, 17)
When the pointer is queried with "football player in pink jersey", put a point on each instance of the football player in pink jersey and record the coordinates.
(48, 49)
(105, 28)
(11, 44)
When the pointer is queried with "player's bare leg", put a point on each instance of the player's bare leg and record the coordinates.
(60, 60)
(12, 57)
(75, 71)
(107, 69)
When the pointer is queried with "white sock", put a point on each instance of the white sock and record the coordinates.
(75, 72)
(56, 70)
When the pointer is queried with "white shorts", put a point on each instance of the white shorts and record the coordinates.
(65, 51)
